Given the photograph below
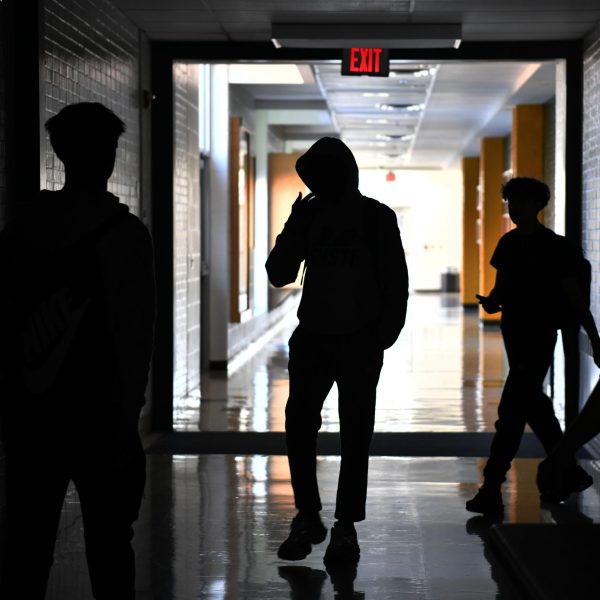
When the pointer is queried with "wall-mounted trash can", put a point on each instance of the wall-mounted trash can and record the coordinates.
(450, 280)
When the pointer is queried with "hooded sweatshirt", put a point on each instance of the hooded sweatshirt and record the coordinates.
(98, 234)
(356, 274)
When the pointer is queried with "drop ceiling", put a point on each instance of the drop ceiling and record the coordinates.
(457, 102)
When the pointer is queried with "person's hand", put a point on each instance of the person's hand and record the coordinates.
(489, 304)
(301, 214)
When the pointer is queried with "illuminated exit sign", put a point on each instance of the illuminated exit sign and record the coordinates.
(366, 61)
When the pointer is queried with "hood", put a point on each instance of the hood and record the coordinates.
(56, 220)
(329, 167)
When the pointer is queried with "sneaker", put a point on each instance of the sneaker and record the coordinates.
(578, 480)
(574, 480)
(304, 531)
(487, 501)
(343, 546)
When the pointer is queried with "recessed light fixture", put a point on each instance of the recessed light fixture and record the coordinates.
(399, 107)
(265, 74)
(376, 94)
(366, 35)
(424, 72)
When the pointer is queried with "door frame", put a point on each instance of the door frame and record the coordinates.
(164, 54)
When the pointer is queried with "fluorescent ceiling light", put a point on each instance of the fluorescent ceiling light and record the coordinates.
(265, 74)
(373, 35)
(400, 107)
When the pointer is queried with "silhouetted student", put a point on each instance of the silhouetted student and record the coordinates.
(353, 307)
(76, 330)
(552, 477)
(537, 272)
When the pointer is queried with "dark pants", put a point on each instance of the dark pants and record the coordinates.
(316, 362)
(529, 350)
(110, 487)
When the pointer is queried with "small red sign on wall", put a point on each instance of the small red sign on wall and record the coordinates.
(374, 62)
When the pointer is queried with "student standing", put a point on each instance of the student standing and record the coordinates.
(76, 332)
(353, 307)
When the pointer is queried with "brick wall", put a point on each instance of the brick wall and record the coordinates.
(186, 217)
(90, 54)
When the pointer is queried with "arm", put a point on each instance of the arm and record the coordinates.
(492, 303)
(393, 280)
(127, 267)
(289, 251)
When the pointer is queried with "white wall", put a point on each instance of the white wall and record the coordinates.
(430, 208)
(219, 214)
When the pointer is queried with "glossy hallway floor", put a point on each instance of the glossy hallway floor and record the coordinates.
(211, 523)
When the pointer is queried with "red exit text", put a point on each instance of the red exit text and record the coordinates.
(366, 61)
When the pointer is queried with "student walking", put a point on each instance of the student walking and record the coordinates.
(537, 279)
(353, 307)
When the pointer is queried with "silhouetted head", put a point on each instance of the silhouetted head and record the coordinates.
(526, 197)
(85, 138)
(522, 189)
(328, 169)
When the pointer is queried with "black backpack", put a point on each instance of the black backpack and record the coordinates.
(58, 338)
(582, 269)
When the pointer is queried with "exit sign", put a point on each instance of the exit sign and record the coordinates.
(374, 62)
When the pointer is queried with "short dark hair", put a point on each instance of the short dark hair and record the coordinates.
(524, 188)
(82, 127)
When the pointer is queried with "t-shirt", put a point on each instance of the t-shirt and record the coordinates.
(530, 268)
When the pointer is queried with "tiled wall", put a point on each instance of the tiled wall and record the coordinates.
(186, 223)
(591, 174)
(90, 53)
(591, 162)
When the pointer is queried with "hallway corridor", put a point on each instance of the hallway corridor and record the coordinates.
(211, 523)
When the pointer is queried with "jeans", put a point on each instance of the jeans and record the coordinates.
(316, 362)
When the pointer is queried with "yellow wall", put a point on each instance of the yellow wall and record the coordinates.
(469, 275)
(284, 185)
(528, 141)
(491, 166)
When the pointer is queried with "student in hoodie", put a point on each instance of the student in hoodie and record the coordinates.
(76, 334)
(353, 307)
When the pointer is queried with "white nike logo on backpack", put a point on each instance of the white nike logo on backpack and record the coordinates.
(40, 378)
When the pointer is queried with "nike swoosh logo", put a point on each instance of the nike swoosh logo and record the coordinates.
(39, 380)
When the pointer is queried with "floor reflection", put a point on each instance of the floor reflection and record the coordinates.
(445, 373)
(210, 527)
